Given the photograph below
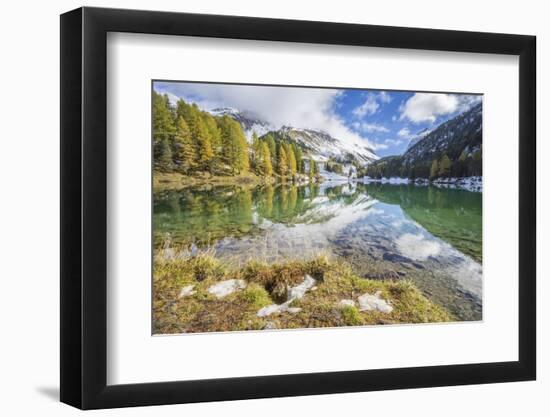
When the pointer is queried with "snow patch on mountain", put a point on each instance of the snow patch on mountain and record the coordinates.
(317, 143)
(250, 122)
(418, 137)
(321, 143)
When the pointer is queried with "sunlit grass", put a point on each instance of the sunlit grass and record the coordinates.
(268, 284)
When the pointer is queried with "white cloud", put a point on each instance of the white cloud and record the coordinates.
(369, 107)
(299, 107)
(384, 97)
(393, 142)
(426, 107)
(370, 127)
(404, 133)
(371, 104)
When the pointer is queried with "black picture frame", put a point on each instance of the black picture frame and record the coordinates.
(84, 207)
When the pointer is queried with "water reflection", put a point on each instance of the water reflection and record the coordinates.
(432, 236)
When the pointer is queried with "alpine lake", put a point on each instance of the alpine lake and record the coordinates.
(431, 236)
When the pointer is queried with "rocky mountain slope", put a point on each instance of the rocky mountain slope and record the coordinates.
(316, 143)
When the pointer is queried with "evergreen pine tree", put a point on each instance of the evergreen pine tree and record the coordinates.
(164, 159)
(282, 162)
(291, 162)
(203, 141)
(272, 146)
(256, 150)
(163, 132)
(184, 153)
(234, 145)
(434, 170)
(444, 166)
(299, 159)
(214, 133)
(311, 168)
(266, 160)
(243, 163)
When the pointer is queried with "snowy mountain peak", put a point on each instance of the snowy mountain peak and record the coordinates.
(317, 143)
(222, 111)
(322, 145)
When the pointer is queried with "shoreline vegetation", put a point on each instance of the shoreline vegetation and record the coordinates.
(173, 181)
(195, 294)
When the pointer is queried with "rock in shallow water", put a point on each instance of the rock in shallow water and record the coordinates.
(368, 302)
(224, 288)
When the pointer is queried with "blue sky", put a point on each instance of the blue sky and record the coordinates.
(385, 120)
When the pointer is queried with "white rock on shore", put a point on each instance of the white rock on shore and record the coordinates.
(368, 302)
(300, 290)
(186, 291)
(294, 293)
(347, 303)
(278, 308)
(224, 288)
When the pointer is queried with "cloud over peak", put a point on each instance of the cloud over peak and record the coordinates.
(311, 108)
(427, 107)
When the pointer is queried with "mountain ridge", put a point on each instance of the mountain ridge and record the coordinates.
(452, 148)
(320, 144)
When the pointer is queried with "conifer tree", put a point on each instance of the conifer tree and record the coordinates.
(164, 159)
(243, 163)
(444, 166)
(255, 156)
(183, 110)
(272, 146)
(291, 162)
(234, 145)
(214, 133)
(311, 168)
(184, 153)
(476, 165)
(203, 142)
(299, 159)
(266, 160)
(163, 132)
(282, 162)
(434, 170)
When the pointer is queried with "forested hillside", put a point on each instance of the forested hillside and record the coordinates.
(453, 149)
(192, 142)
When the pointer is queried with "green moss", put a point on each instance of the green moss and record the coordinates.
(255, 296)
(351, 316)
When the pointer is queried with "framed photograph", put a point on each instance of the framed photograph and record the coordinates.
(257, 208)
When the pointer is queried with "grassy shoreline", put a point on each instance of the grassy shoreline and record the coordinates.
(163, 181)
(174, 181)
(184, 301)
